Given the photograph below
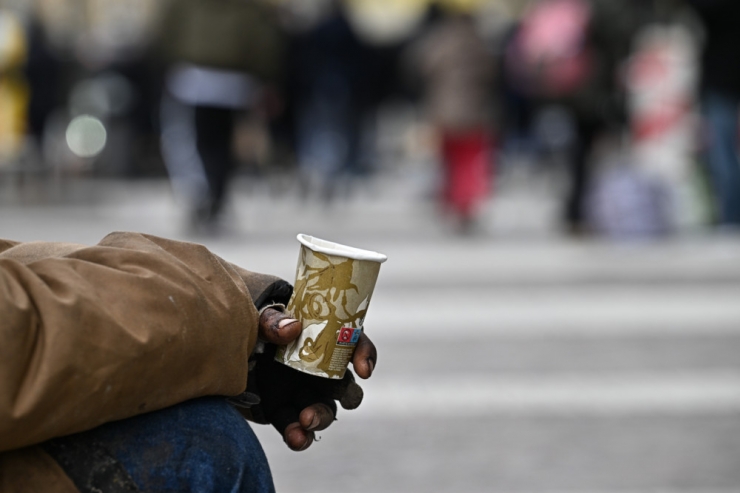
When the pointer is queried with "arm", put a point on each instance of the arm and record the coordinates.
(133, 324)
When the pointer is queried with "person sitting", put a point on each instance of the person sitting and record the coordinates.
(130, 365)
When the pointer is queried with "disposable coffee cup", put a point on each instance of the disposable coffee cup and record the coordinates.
(333, 287)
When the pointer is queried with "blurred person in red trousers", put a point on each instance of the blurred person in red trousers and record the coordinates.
(457, 74)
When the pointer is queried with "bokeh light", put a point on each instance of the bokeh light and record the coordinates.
(86, 136)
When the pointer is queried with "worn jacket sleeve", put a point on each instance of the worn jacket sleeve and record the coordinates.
(133, 324)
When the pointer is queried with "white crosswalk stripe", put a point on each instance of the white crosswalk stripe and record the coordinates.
(464, 396)
(605, 311)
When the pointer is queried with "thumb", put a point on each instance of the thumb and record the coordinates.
(277, 327)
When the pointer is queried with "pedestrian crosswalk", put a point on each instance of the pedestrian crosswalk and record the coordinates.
(506, 365)
(616, 367)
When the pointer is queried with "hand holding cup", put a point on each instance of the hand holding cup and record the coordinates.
(333, 287)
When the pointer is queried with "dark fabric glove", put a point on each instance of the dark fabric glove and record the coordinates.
(276, 394)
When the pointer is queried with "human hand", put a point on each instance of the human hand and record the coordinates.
(295, 403)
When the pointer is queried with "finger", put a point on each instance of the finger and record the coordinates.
(316, 417)
(365, 357)
(286, 422)
(352, 395)
(278, 328)
(314, 397)
(296, 438)
(346, 391)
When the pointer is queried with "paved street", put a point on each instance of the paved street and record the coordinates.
(512, 361)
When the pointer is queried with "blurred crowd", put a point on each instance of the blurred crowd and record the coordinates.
(635, 101)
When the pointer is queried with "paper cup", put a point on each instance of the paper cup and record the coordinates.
(333, 287)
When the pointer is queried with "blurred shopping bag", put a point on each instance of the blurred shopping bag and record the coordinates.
(625, 202)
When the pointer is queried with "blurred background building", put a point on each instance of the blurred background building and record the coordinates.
(565, 169)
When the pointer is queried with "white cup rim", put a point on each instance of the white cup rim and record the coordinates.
(339, 250)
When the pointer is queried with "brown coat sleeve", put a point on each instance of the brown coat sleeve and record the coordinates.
(133, 324)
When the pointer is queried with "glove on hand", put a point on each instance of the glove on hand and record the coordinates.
(276, 394)
(296, 403)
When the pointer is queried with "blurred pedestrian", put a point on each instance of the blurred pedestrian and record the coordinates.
(222, 57)
(457, 73)
(720, 99)
(43, 74)
(328, 75)
(569, 53)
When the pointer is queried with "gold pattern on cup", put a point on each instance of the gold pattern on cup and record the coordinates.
(329, 291)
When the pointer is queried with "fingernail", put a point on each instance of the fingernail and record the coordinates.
(314, 423)
(309, 441)
(285, 322)
(371, 365)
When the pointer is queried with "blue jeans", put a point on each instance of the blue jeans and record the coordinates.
(721, 113)
(203, 445)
